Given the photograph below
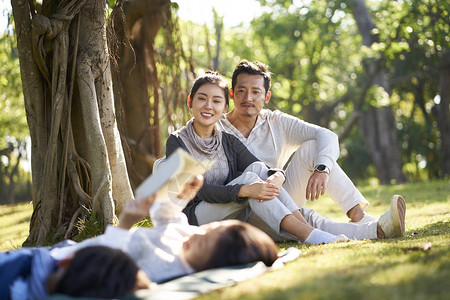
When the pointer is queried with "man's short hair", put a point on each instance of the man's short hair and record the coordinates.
(252, 68)
(240, 244)
(100, 272)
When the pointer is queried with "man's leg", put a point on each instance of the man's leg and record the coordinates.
(340, 188)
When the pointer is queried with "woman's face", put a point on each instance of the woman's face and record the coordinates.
(207, 105)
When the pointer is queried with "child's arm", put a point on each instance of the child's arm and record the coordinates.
(135, 211)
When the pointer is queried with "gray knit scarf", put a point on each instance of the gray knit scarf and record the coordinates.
(208, 146)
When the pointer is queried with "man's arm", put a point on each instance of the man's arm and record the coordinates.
(327, 150)
(298, 131)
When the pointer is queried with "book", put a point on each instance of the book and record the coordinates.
(170, 176)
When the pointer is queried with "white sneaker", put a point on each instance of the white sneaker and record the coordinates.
(392, 222)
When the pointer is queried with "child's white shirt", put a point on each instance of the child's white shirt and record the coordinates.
(157, 251)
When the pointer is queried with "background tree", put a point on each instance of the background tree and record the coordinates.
(14, 132)
(146, 78)
(377, 123)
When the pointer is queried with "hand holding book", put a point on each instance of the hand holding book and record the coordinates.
(177, 178)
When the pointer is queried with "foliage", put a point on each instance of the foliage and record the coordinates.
(12, 113)
(87, 228)
(14, 130)
(314, 50)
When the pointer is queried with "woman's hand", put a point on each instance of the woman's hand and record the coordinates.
(277, 179)
(261, 190)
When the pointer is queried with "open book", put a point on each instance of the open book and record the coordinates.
(170, 176)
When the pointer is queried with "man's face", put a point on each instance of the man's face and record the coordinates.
(249, 94)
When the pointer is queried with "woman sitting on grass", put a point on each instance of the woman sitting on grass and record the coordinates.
(172, 248)
(239, 186)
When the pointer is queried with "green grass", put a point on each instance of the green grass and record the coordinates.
(14, 225)
(377, 269)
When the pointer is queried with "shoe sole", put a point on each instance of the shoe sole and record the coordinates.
(398, 205)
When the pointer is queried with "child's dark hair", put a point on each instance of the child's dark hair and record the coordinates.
(212, 77)
(252, 68)
(241, 244)
(99, 272)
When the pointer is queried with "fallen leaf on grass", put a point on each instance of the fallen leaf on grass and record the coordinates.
(425, 247)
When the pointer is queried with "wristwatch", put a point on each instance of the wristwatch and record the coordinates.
(322, 169)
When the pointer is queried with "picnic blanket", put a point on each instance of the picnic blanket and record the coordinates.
(193, 285)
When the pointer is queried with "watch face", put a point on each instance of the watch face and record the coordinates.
(321, 168)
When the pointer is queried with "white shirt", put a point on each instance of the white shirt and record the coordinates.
(157, 250)
(277, 135)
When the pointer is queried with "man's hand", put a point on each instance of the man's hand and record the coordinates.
(277, 179)
(191, 189)
(261, 190)
(317, 185)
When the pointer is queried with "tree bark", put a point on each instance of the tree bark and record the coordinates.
(12, 183)
(441, 112)
(77, 157)
(34, 99)
(378, 124)
(138, 81)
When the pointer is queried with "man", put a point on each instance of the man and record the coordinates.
(273, 137)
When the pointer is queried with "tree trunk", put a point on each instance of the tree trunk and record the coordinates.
(378, 124)
(218, 25)
(441, 112)
(12, 183)
(77, 158)
(138, 82)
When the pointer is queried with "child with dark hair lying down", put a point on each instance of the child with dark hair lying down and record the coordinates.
(170, 249)
(96, 271)
(173, 248)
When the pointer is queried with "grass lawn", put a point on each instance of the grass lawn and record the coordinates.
(379, 269)
(14, 225)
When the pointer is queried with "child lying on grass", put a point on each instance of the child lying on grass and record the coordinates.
(170, 249)
(96, 271)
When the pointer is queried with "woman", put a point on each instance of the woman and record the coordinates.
(241, 187)
(238, 184)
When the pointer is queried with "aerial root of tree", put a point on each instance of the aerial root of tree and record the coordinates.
(81, 162)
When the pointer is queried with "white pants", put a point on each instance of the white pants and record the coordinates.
(340, 188)
(352, 231)
(271, 212)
